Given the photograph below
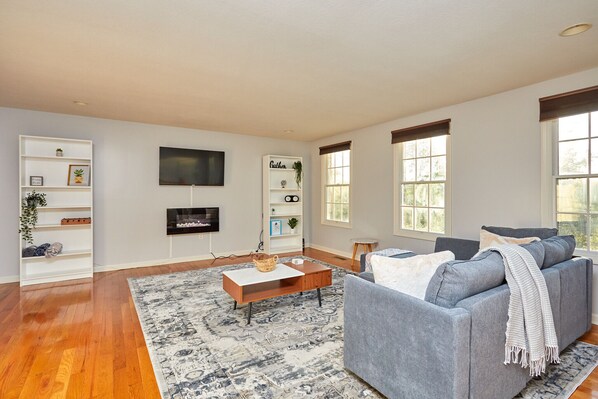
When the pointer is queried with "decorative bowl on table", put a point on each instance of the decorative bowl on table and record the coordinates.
(266, 265)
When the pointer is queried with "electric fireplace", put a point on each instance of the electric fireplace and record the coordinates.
(192, 220)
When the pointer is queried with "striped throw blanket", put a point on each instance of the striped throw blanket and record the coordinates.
(530, 336)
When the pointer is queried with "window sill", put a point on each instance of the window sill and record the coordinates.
(344, 225)
(587, 254)
(419, 235)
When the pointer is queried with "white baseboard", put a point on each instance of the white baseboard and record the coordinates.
(594, 318)
(9, 279)
(160, 262)
(348, 255)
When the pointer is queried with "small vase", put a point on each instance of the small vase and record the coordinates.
(292, 231)
(58, 153)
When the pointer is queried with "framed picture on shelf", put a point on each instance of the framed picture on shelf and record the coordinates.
(79, 175)
(275, 227)
(36, 180)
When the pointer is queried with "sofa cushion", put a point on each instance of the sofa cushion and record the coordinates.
(459, 279)
(410, 276)
(488, 239)
(540, 232)
(557, 249)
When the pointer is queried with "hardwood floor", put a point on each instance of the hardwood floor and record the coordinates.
(82, 339)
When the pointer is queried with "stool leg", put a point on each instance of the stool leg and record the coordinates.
(369, 247)
(354, 253)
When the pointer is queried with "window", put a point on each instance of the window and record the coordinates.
(336, 184)
(570, 166)
(422, 191)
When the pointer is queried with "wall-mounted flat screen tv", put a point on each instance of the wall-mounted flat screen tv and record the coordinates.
(188, 167)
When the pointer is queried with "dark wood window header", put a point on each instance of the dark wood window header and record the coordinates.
(570, 103)
(433, 129)
(329, 149)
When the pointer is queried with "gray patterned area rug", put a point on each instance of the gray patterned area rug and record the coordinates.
(201, 348)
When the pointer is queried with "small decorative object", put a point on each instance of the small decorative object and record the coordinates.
(275, 227)
(295, 198)
(298, 166)
(36, 180)
(277, 165)
(53, 250)
(59, 152)
(288, 198)
(292, 224)
(79, 175)
(283, 183)
(297, 261)
(266, 265)
(69, 221)
(28, 218)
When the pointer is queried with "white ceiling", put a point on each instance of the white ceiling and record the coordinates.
(262, 67)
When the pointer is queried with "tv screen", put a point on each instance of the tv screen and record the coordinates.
(187, 167)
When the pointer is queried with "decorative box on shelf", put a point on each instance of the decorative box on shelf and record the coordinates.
(66, 221)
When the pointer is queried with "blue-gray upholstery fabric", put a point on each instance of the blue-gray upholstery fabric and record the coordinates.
(490, 378)
(458, 279)
(540, 232)
(369, 276)
(558, 249)
(362, 259)
(403, 346)
(463, 249)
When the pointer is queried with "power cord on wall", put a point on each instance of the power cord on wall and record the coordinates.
(260, 247)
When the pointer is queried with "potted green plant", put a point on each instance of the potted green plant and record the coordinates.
(59, 152)
(298, 166)
(292, 224)
(28, 218)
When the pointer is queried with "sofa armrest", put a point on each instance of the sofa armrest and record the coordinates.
(463, 249)
(403, 346)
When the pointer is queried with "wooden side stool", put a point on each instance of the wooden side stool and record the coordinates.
(367, 246)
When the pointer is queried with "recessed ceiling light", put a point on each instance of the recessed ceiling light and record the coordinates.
(575, 29)
(289, 131)
(82, 103)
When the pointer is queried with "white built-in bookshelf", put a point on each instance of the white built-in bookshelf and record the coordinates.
(38, 158)
(276, 208)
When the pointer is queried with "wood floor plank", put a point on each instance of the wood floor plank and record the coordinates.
(82, 339)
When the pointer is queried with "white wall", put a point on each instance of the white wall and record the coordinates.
(496, 170)
(130, 206)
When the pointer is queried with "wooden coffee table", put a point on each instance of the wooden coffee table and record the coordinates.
(250, 285)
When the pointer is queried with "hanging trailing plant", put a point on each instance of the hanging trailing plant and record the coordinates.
(28, 217)
(298, 166)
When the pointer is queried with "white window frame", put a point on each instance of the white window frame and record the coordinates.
(549, 165)
(324, 185)
(398, 179)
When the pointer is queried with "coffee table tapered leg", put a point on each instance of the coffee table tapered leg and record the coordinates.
(235, 306)
(249, 313)
(319, 298)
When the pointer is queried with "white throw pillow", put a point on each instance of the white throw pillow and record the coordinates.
(488, 239)
(410, 276)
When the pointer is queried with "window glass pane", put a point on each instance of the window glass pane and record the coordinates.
(573, 224)
(407, 218)
(331, 176)
(421, 195)
(339, 158)
(439, 168)
(439, 145)
(346, 175)
(436, 195)
(345, 213)
(328, 160)
(345, 194)
(573, 127)
(338, 210)
(594, 195)
(571, 195)
(408, 192)
(594, 149)
(573, 157)
(346, 157)
(437, 220)
(408, 149)
(329, 211)
(409, 170)
(423, 169)
(423, 147)
(593, 233)
(594, 123)
(329, 194)
(337, 194)
(421, 219)
(338, 175)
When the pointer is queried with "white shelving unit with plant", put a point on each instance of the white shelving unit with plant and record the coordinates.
(55, 184)
(282, 178)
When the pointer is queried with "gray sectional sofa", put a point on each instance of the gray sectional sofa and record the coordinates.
(451, 345)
